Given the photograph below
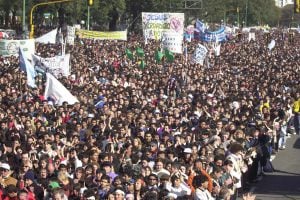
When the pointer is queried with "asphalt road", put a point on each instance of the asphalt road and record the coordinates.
(284, 183)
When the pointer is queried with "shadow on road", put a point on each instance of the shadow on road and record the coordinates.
(284, 172)
(280, 185)
(297, 144)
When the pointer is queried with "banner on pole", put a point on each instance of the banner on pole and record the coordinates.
(57, 66)
(48, 37)
(70, 35)
(199, 54)
(155, 24)
(11, 47)
(172, 42)
(97, 35)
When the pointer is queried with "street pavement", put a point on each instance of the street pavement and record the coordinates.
(284, 183)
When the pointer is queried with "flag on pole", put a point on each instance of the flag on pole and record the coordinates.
(57, 92)
(169, 55)
(271, 45)
(158, 55)
(129, 54)
(48, 37)
(140, 52)
(142, 64)
(27, 67)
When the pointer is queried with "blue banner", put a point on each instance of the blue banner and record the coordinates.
(209, 36)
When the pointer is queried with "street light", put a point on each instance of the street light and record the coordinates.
(37, 5)
(226, 11)
(23, 16)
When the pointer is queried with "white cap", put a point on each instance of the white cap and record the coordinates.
(91, 115)
(165, 96)
(177, 133)
(120, 192)
(5, 166)
(156, 111)
(190, 96)
(197, 113)
(64, 162)
(78, 163)
(187, 150)
(172, 195)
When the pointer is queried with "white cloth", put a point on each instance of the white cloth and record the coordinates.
(180, 191)
(202, 195)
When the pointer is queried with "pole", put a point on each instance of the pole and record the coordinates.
(23, 17)
(37, 5)
(88, 18)
(238, 16)
(246, 15)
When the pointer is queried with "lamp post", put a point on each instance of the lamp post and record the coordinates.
(238, 16)
(88, 18)
(226, 11)
(37, 5)
(23, 16)
(246, 14)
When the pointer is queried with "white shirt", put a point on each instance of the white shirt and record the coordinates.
(182, 190)
(202, 195)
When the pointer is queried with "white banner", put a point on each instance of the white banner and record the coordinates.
(271, 45)
(70, 35)
(251, 36)
(172, 42)
(48, 37)
(56, 92)
(11, 47)
(200, 54)
(155, 24)
(58, 65)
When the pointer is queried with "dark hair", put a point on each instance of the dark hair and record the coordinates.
(228, 162)
(198, 180)
(105, 177)
(236, 147)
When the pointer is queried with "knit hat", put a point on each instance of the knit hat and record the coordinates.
(29, 175)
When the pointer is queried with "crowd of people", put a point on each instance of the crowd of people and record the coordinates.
(168, 130)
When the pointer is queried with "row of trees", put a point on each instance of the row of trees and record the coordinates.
(120, 14)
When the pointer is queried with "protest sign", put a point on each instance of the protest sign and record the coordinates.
(200, 54)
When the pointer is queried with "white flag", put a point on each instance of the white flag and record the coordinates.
(271, 45)
(217, 49)
(27, 67)
(57, 92)
(57, 66)
(200, 54)
(48, 37)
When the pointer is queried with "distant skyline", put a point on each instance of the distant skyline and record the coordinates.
(282, 3)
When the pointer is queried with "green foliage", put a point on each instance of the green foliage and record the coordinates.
(107, 15)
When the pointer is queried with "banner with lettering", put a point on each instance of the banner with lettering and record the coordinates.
(11, 47)
(58, 66)
(172, 42)
(155, 24)
(70, 35)
(210, 36)
(199, 54)
(97, 35)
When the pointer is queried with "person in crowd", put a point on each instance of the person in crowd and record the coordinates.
(162, 131)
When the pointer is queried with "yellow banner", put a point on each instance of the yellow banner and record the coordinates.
(113, 35)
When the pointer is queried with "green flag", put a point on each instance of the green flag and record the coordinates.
(139, 52)
(169, 55)
(158, 55)
(142, 64)
(129, 54)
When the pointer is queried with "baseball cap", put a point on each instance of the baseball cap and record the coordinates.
(5, 166)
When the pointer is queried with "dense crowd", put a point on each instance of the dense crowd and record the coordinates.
(169, 130)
